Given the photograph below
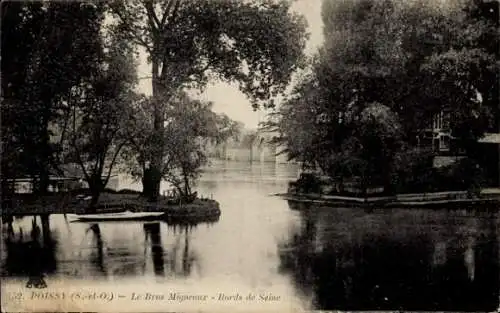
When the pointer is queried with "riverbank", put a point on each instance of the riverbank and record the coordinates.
(488, 198)
(68, 203)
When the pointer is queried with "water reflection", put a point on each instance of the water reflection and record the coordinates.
(320, 258)
(97, 255)
(182, 259)
(32, 256)
(102, 250)
(187, 259)
(152, 232)
(402, 259)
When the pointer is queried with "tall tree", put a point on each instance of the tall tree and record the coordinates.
(465, 76)
(413, 58)
(189, 127)
(42, 58)
(256, 43)
(101, 113)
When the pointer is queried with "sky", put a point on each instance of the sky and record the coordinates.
(226, 97)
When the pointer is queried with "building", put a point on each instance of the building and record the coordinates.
(491, 144)
(437, 135)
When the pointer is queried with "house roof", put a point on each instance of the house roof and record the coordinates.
(490, 138)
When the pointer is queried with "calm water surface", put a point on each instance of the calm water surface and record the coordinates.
(319, 258)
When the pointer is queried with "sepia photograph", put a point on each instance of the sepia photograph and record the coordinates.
(250, 155)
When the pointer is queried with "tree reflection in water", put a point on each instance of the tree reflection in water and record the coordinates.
(152, 232)
(297, 256)
(181, 258)
(366, 262)
(97, 257)
(187, 258)
(102, 249)
(114, 255)
(33, 258)
(10, 229)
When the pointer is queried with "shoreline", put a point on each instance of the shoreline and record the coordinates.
(64, 203)
(435, 200)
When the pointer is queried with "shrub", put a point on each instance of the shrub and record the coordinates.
(308, 183)
(468, 174)
(413, 171)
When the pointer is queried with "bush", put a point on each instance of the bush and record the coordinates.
(468, 175)
(415, 173)
(308, 183)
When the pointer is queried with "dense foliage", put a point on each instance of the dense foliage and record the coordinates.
(68, 75)
(385, 69)
(257, 44)
(98, 115)
(42, 60)
(191, 125)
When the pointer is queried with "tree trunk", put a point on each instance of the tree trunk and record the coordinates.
(95, 199)
(47, 239)
(45, 153)
(43, 183)
(146, 190)
(387, 177)
(187, 189)
(7, 193)
(96, 187)
(152, 177)
(341, 190)
(151, 183)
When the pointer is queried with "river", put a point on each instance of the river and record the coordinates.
(304, 257)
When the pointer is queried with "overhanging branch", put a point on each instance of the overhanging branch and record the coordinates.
(134, 37)
(153, 21)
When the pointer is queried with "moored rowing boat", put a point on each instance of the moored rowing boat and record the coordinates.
(116, 216)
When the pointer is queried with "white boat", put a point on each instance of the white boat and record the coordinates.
(116, 216)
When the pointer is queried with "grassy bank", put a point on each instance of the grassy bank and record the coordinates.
(109, 201)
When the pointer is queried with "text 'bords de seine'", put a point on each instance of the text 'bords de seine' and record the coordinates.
(181, 297)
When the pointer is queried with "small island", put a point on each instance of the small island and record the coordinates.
(95, 119)
(199, 209)
(458, 193)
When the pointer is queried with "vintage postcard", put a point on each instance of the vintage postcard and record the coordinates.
(250, 156)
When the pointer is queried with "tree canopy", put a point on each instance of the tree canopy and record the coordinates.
(47, 48)
(414, 59)
(191, 125)
(257, 44)
(99, 114)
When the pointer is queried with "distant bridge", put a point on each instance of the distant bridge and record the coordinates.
(265, 148)
(256, 146)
